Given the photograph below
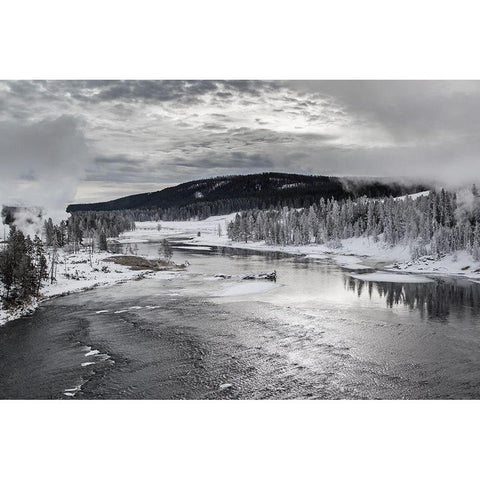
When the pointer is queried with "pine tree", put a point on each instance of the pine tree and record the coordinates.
(41, 268)
(102, 241)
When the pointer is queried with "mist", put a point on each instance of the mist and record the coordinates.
(41, 165)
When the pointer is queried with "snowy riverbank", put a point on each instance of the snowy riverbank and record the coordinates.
(77, 272)
(355, 253)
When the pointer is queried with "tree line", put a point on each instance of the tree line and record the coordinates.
(94, 226)
(23, 261)
(438, 223)
(200, 199)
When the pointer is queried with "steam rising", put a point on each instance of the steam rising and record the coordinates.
(468, 204)
(27, 219)
(41, 165)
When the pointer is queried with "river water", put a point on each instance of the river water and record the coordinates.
(316, 333)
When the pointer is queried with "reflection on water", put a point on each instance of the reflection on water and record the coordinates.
(320, 334)
(437, 300)
(317, 283)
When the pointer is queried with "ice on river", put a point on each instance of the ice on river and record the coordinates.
(92, 352)
(244, 288)
(391, 278)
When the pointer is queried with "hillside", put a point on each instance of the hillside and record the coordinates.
(223, 195)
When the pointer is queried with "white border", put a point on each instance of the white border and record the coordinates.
(225, 40)
(256, 39)
(239, 439)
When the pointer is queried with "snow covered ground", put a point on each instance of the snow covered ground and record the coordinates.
(76, 273)
(414, 196)
(355, 253)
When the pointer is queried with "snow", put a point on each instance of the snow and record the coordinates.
(147, 231)
(350, 262)
(350, 256)
(244, 288)
(318, 256)
(76, 273)
(290, 185)
(92, 352)
(17, 313)
(414, 196)
(460, 263)
(70, 392)
(391, 277)
(357, 253)
(353, 255)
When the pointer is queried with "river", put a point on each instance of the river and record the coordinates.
(316, 333)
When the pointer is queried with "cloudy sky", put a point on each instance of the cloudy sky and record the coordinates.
(63, 141)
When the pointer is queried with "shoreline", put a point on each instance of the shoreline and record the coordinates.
(77, 274)
(360, 253)
(80, 271)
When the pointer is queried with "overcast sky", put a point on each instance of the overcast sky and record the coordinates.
(63, 141)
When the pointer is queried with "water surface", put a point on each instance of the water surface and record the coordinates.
(318, 334)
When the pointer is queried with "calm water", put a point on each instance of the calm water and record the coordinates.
(318, 334)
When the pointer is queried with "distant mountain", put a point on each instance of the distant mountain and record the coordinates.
(222, 195)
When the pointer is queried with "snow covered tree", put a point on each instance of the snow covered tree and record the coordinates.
(102, 241)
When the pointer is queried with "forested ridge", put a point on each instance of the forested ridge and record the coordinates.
(223, 195)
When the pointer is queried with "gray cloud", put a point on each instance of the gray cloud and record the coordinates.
(165, 132)
(118, 160)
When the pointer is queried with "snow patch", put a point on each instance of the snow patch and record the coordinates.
(391, 278)
(350, 255)
(225, 386)
(413, 196)
(92, 352)
(71, 392)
